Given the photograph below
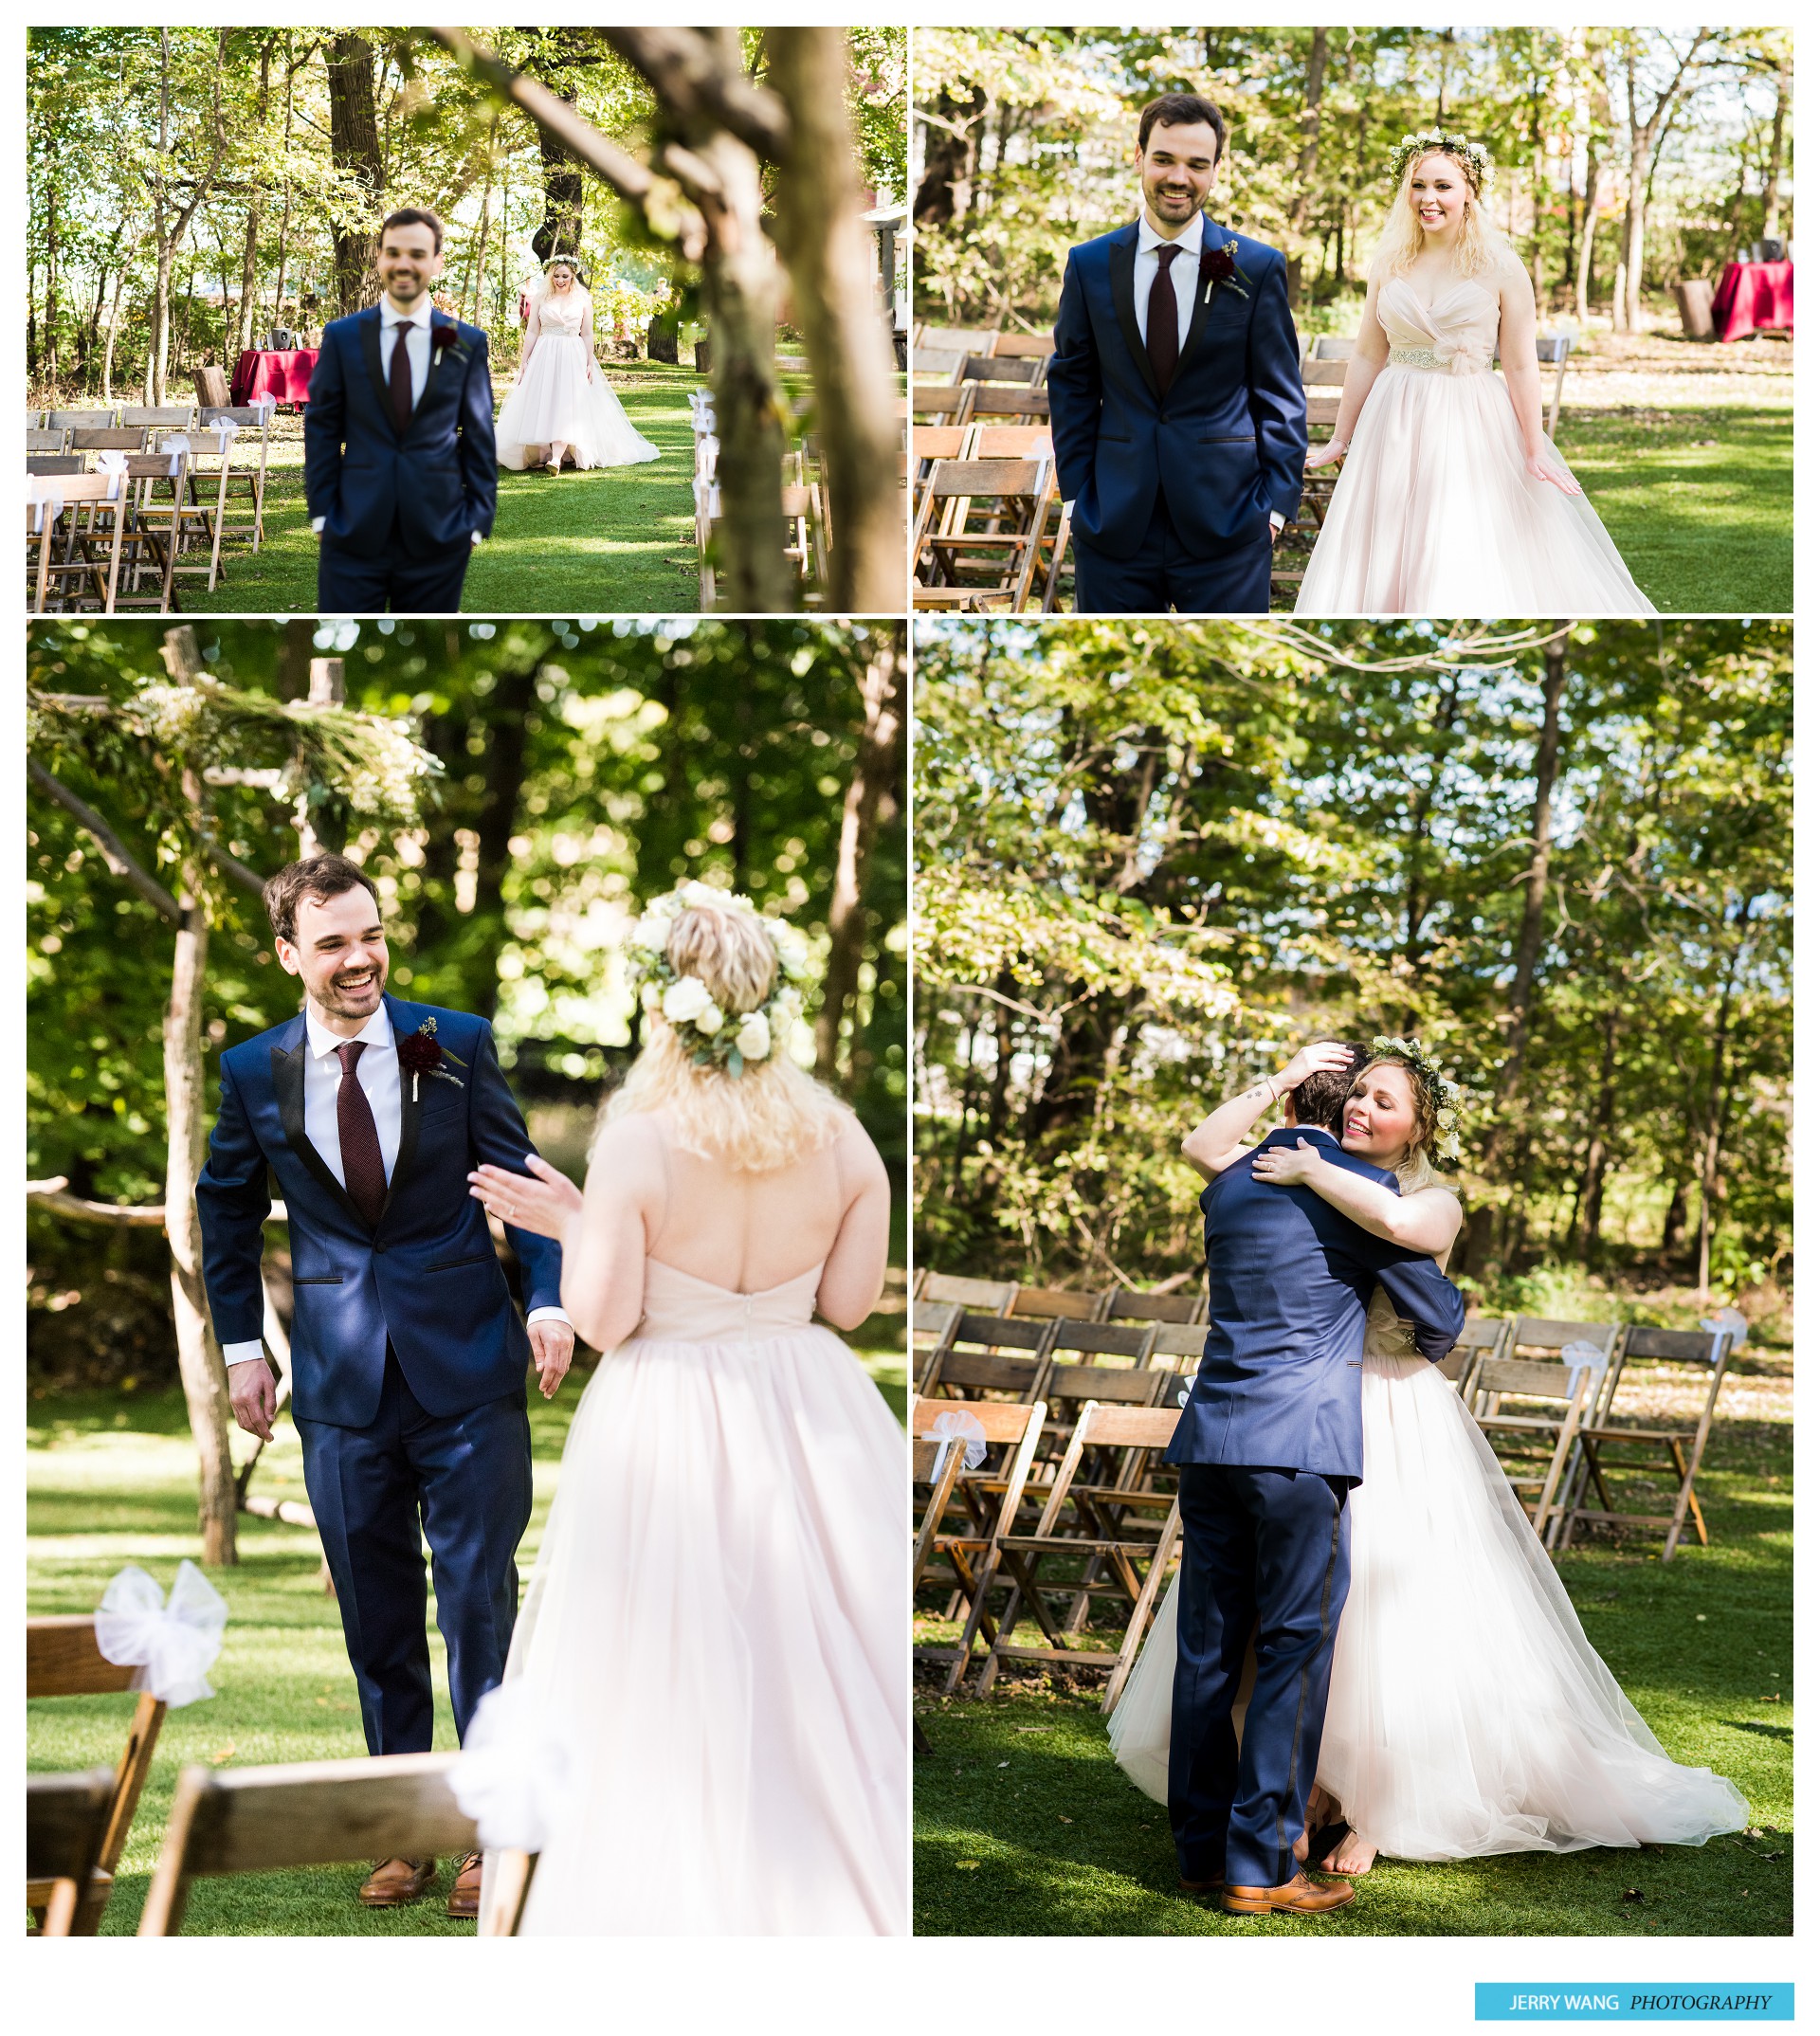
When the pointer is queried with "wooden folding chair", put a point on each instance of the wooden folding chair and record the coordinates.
(1552, 349)
(1023, 346)
(935, 363)
(1002, 401)
(960, 339)
(990, 1354)
(1683, 1446)
(66, 1819)
(160, 419)
(46, 441)
(999, 531)
(242, 455)
(943, 403)
(154, 534)
(1537, 1446)
(34, 419)
(1055, 1304)
(62, 1659)
(1532, 1336)
(82, 574)
(992, 368)
(79, 420)
(1092, 1524)
(312, 1813)
(1482, 1337)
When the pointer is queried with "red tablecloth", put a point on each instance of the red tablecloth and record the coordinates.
(1754, 297)
(284, 378)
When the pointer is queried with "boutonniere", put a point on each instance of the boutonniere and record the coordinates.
(1220, 269)
(446, 340)
(420, 1053)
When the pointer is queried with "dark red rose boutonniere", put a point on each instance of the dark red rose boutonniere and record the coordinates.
(420, 1053)
(1220, 271)
(446, 339)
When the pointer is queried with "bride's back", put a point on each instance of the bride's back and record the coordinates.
(747, 1232)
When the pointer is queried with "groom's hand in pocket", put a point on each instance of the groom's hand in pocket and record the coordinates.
(552, 1344)
(253, 1396)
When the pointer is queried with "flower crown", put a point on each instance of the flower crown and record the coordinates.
(1473, 156)
(709, 1035)
(1443, 1094)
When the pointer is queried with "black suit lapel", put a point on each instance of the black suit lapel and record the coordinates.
(369, 322)
(287, 1081)
(1204, 293)
(1124, 302)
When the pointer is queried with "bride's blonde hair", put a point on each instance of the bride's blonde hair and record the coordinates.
(767, 1117)
(1478, 246)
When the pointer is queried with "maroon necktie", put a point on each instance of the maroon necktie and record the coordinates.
(1162, 335)
(363, 1166)
(401, 405)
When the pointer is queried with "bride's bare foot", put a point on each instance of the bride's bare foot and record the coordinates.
(1351, 1857)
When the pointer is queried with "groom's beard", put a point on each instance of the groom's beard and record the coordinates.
(338, 1003)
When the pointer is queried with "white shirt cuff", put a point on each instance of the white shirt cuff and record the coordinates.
(476, 536)
(316, 523)
(548, 1315)
(253, 1352)
(1276, 519)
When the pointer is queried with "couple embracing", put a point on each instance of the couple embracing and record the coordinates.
(1181, 431)
(1366, 1648)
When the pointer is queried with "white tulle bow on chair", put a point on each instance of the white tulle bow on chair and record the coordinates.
(956, 1429)
(173, 1645)
(513, 1776)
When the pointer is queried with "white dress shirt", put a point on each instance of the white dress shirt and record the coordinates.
(377, 1073)
(1183, 275)
(413, 327)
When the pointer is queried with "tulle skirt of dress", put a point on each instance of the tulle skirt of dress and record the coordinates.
(553, 399)
(1436, 513)
(718, 1628)
(1469, 1712)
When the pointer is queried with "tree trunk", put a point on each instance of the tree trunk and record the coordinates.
(1598, 1152)
(845, 331)
(318, 829)
(875, 776)
(199, 1360)
(1589, 233)
(284, 222)
(360, 165)
(249, 258)
(1308, 155)
(1773, 176)
(1719, 1099)
(52, 363)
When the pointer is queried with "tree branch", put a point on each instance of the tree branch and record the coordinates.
(54, 1196)
(114, 851)
(691, 83)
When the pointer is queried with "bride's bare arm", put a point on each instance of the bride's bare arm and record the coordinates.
(1213, 1144)
(853, 1276)
(1522, 376)
(1426, 1221)
(1370, 352)
(588, 338)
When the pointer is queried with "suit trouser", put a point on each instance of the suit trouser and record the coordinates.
(466, 1478)
(1270, 1547)
(386, 582)
(1160, 574)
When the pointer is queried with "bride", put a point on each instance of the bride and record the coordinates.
(1468, 1713)
(1453, 501)
(704, 1728)
(560, 403)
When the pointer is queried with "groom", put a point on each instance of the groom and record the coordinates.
(1176, 404)
(408, 1355)
(1269, 1445)
(398, 459)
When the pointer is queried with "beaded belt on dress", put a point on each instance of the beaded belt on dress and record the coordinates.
(1419, 357)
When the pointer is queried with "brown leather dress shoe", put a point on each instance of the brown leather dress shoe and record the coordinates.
(1300, 1897)
(394, 1882)
(464, 1896)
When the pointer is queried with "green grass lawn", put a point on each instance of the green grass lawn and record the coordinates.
(110, 1480)
(1027, 1828)
(616, 539)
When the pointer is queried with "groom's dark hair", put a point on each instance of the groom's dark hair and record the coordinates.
(1182, 109)
(414, 216)
(1320, 1101)
(321, 876)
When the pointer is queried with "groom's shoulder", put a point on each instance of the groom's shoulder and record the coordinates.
(1100, 248)
(437, 1018)
(340, 328)
(1257, 255)
(253, 1053)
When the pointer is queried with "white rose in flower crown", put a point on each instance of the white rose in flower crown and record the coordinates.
(709, 1022)
(788, 1004)
(754, 1037)
(685, 1000)
(651, 935)
(651, 996)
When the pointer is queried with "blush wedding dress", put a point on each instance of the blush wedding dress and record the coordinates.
(1434, 512)
(1468, 1713)
(707, 1702)
(556, 397)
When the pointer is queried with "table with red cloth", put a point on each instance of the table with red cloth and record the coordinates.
(284, 378)
(1754, 297)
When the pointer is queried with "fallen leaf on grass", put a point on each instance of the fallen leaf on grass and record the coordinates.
(965, 1865)
(1070, 1820)
(221, 1759)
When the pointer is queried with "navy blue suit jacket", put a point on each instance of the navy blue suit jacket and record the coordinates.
(1225, 446)
(428, 1278)
(1290, 1279)
(424, 492)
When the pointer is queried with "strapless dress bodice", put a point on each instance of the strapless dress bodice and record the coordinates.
(1457, 334)
(1388, 1344)
(679, 1308)
(556, 317)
